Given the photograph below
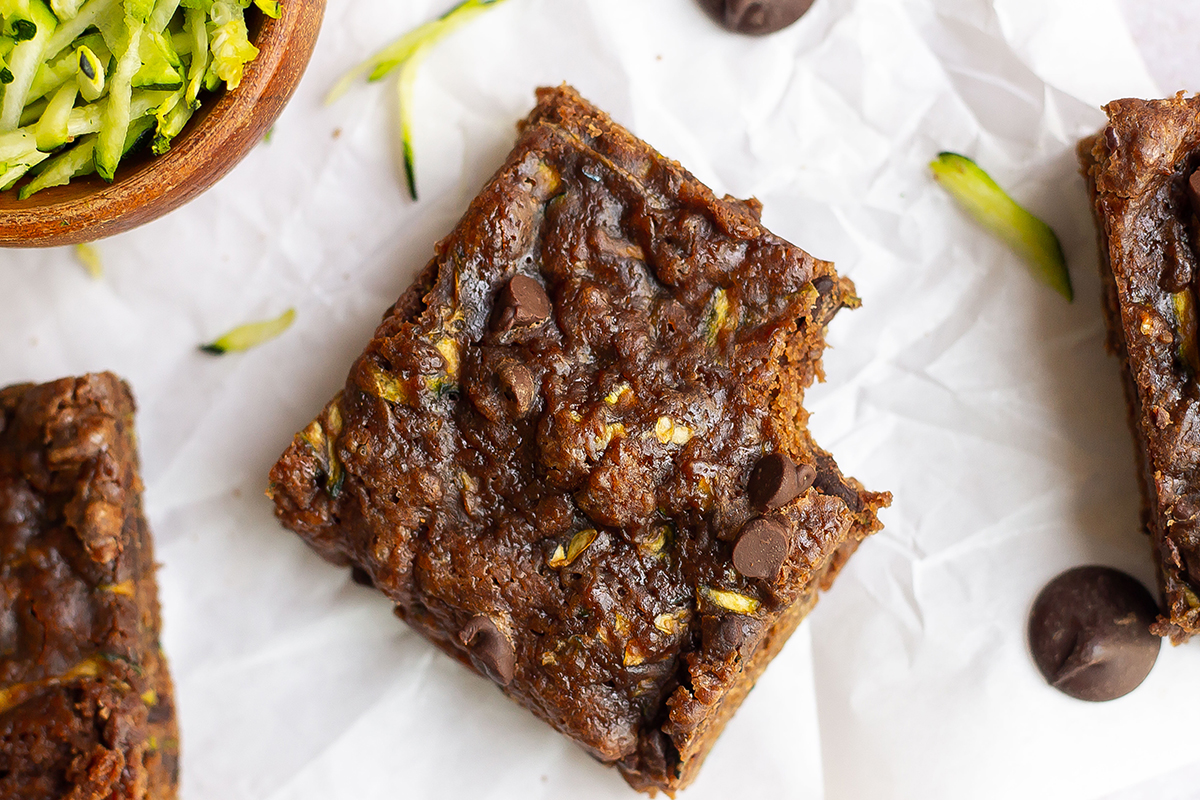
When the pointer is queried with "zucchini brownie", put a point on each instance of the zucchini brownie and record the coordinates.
(1142, 172)
(574, 453)
(86, 705)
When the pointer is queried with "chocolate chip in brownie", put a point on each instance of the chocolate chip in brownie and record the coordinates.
(823, 284)
(777, 481)
(729, 632)
(522, 302)
(654, 749)
(755, 17)
(1089, 632)
(490, 649)
(827, 482)
(517, 387)
(1193, 192)
(761, 548)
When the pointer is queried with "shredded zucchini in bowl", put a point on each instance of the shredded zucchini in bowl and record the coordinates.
(84, 82)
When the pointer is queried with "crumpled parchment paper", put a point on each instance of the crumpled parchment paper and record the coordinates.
(979, 397)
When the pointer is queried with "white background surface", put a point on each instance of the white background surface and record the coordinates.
(980, 398)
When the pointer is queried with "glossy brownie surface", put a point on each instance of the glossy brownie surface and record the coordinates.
(1139, 168)
(86, 703)
(543, 455)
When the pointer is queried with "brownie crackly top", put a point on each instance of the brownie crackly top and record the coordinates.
(542, 457)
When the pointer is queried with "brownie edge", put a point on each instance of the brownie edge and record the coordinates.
(1138, 169)
(86, 702)
(542, 457)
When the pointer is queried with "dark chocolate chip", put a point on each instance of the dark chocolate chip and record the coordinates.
(490, 649)
(1089, 633)
(654, 748)
(728, 633)
(361, 577)
(823, 284)
(774, 482)
(1111, 139)
(517, 387)
(522, 302)
(1191, 562)
(1193, 192)
(805, 476)
(1177, 262)
(170, 765)
(761, 548)
(828, 482)
(755, 17)
(162, 710)
(777, 481)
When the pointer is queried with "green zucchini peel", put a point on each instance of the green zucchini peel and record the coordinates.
(405, 54)
(1029, 237)
(244, 337)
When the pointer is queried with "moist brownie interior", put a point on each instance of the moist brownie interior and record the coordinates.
(542, 457)
(1140, 170)
(86, 702)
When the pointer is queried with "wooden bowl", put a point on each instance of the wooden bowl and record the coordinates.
(217, 137)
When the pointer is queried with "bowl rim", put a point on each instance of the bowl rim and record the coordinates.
(220, 135)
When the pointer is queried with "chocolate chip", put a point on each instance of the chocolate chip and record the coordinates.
(755, 17)
(823, 284)
(1111, 139)
(805, 477)
(1089, 633)
(761, 548)
(777, 481)
(490, 649)
(517, 387)
(522, 302)
(1193, 192)
(728, 633)
(361, 577)
(654, 748)
(170, 765)
(829, 482)
(773, 483)
(162, 710)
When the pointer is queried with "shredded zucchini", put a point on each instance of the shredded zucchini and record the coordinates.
(82, 81)
(406, 54)
(1028, 236)
(89, 257)
(251, 335)
(27, 56)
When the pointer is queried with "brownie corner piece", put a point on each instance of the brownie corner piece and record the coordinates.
(575, 455)
(86, 701)
(1143, 175)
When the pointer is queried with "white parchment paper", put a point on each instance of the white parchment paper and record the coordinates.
(979, 397)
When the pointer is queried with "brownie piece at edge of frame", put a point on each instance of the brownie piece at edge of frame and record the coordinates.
(544, 456)
(1141, 171)
(86, 702)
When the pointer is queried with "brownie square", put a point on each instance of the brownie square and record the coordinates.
(86, 703)
(574, 455)
(1140, 170)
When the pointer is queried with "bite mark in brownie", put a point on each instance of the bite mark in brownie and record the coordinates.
(1139, 170)
(543, 455)
(86, 702)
